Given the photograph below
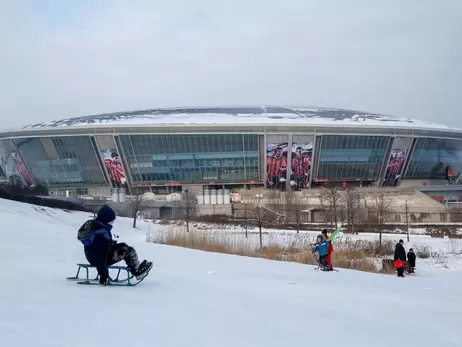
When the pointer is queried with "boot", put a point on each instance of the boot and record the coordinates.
(143, 269)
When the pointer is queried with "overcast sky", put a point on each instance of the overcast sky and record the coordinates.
(66, 58)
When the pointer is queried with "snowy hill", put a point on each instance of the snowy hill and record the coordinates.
(194, 298)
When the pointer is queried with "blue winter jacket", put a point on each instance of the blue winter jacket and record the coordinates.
(322, 247)
(96, 237)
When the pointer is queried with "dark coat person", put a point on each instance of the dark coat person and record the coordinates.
(102, 251)
(400, 252)
(411, 260)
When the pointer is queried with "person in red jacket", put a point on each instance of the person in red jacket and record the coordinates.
(330, 249)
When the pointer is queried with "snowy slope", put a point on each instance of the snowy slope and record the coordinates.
(194, 298)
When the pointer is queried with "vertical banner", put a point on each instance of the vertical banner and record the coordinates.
(112, 161)
(398, 157)
(13, 169)
(276, 161)
(302, 153)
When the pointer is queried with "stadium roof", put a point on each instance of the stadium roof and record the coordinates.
(245, 116)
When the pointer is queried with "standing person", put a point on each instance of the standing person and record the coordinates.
(321, 247)
(330, 249)
(102, 251)
(411, 260)
(400, 258)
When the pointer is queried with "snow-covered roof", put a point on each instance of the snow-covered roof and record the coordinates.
(257, 115)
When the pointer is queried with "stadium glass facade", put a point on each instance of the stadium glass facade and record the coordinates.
(432, 156)
(59, 161)
(277, 160)
(351, 157)
(194, 158)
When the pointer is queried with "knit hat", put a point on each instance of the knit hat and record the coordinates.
(106, 214)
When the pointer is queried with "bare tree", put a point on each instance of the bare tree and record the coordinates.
(138, 204)
(406, 211)
(351, 203)
(272, 196)
(259, 213)
(382, 212)
(276, 201)
(295, 207)
(331, 199)
(274, 208)
(188, 208)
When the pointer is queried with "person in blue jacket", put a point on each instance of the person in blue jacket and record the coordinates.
(321, 247)
(101, 250)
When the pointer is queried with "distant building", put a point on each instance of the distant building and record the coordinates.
(168, 150)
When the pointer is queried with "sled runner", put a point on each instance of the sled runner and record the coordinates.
(130, 279)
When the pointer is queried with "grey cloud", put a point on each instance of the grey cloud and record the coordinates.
(393, 57)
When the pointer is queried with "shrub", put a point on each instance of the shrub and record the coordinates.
(423, 251)
(386, 248)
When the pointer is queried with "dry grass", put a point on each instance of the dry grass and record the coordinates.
(356, 260)
(358, 255)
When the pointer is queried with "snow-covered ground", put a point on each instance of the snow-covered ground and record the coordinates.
(194, 298)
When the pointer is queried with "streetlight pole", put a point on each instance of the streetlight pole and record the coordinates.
(406, 209)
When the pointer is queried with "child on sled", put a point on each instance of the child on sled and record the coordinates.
(322, 247)
(102, 251)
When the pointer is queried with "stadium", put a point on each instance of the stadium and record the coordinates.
(279, 148)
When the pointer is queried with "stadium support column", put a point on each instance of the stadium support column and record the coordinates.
(386, 160)
(97, 151)
(408, 159)
(20, 164)
(396, 160)
(313, 161)
(317, 146)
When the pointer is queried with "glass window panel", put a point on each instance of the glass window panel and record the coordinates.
(432, 156)
(61, 160)
(192, 158)
(351, 157)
